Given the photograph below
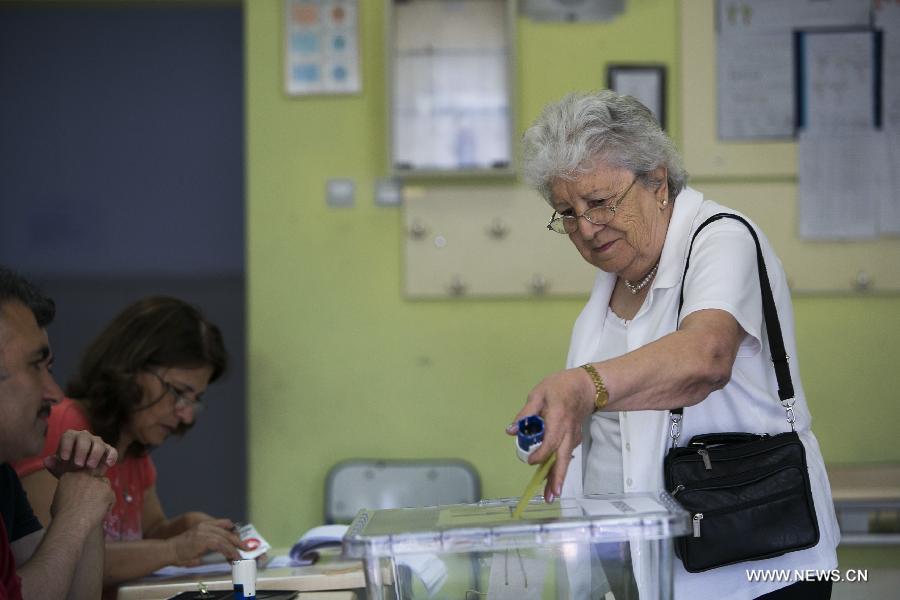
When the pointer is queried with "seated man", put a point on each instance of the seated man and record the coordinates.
(139, 383)
(66, 559)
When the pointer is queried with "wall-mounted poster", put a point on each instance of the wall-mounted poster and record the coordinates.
(321, 54)
(647, 83)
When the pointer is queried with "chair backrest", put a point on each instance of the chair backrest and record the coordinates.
(375, 484)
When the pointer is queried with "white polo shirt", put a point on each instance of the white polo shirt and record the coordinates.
(722, 275)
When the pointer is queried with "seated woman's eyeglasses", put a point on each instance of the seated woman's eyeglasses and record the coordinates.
(182, 399)
(596, 215)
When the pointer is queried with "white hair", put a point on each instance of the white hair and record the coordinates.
(571, 135)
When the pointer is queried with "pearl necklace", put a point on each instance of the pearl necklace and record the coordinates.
(634, 288)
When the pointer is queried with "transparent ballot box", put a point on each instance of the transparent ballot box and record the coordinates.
(611, 547)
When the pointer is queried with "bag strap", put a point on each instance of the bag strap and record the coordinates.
(773, 326)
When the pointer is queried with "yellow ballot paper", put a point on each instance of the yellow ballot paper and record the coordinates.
(533, 485)
(495, 513)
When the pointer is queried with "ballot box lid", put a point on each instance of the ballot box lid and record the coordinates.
(489, 525)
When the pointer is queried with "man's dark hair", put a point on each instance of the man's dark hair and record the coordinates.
(15, 288)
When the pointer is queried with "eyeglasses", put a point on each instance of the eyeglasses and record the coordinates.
(182, 400)
(596, 215)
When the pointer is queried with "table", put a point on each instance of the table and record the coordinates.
(867, 502)
(332, 578)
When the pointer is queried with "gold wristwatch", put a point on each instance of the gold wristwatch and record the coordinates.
(602, 394)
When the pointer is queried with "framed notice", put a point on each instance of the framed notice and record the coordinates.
(838, 79)
(321, 51)
(647, 83)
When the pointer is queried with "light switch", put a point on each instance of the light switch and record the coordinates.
(340, 192)
(388, 192)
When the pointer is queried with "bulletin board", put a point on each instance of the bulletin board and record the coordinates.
(479, 241)
(759, 178)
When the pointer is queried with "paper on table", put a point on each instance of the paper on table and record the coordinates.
(282, 560)
(304, 552)
(217, 567)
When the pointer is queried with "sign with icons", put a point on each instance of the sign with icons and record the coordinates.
(321, 47)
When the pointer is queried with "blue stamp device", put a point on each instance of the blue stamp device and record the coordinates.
(530, 436)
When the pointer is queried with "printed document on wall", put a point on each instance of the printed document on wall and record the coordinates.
(755, 88)
(762, 15)
(889, 219)
(839, 80)
(844, 178)
(754, 48)
(887, 19)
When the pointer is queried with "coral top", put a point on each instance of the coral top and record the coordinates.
(130, 478)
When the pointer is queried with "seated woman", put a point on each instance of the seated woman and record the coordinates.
(139, 382)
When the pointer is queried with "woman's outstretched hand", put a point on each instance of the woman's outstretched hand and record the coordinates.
(564, 400)
(212, 535)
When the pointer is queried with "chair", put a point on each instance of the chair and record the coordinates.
(375, 484)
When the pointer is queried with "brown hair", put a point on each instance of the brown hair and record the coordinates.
(151, 333)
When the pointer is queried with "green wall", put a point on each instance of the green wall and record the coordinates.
(342, 366)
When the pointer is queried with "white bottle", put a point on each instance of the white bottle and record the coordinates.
(243, 577)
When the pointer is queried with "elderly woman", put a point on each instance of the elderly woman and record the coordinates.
(618, 190)
(140, 381)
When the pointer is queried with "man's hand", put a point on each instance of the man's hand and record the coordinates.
(81, 499)
(68, 563)
(81, 450)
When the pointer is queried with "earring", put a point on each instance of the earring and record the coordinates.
(664, 204)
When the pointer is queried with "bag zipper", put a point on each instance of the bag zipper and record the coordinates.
(728, 481)
(689, 457)
(699, 516)
(704, 454)
(754, 437)
(696, 519)
(703, 449)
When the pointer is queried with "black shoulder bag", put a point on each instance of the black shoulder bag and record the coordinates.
(748, 494)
